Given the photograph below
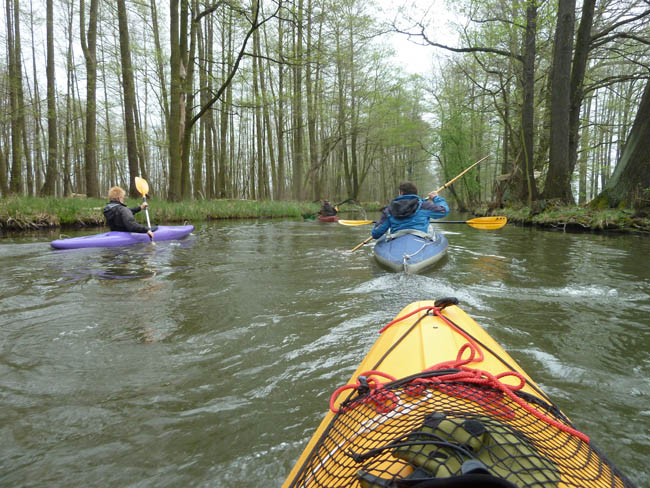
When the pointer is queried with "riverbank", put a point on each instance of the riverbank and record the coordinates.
(577, 219)
(28, 213)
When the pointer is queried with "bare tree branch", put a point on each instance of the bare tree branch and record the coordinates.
(422, 34)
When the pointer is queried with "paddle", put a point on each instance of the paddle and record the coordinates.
(478, 223)
(449, 183)
(344, 201)
(355, 222)
(143, 187)
(336, 205)
(362, 244)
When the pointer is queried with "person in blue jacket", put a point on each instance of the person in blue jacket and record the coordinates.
(409, 211)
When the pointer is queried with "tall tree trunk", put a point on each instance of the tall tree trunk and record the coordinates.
(582, 161)
(311, 109)
(259, 138)
(112, 160)
(208, 119)
(128, 85)
(341, 114)
(201, 191)
(260, 110)
(528, 191)
(4, 185)
(52, 152)
(78, 129)
(224, 106)
(271, 190)
(89, 47)
(187, 57)
(630, 183)
(558, 178)
(298, 124)
(231, 171)
(354, 119)
(159, 59)
(18, 176)
(69, 111)
(580, 59)
(280, 114)
(176, 106)
(140, 140)
(15, 96)
(28, 162)
(162, 82)
(38, 126)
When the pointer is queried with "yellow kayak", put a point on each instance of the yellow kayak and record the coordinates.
(438, 403)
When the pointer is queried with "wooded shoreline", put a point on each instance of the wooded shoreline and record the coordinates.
(29, 214)
(278, 101)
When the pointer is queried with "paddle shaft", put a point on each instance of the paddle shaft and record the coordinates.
(495, 222)
(362, 244)
(451, 182)
(146, 211)
(337, 204)
(143, 187)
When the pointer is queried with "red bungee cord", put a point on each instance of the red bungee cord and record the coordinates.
(384, 400)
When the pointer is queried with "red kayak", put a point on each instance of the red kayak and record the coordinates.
(328, 218)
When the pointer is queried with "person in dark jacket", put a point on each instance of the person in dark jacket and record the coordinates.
(409, 211)
(327, 210)
(121, 218)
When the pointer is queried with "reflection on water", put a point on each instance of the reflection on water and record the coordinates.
(134, 262)
(210, 361)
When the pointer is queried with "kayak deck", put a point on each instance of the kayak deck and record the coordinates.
(437, 400)
(410, 251)
(118, 239)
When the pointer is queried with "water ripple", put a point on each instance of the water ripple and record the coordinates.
(209, 362)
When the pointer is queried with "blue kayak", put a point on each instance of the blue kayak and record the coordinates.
(118, 239)
(410, 251)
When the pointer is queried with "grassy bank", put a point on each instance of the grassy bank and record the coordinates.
(579, 219)
(26, 213)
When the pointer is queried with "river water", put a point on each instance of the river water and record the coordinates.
(210, 361)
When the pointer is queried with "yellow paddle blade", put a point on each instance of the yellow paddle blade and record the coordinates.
(142, 185)
(487, 222)
(355, 222)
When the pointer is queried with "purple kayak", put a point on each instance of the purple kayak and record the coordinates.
(117, 239)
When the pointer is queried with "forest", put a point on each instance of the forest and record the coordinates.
(299, 100)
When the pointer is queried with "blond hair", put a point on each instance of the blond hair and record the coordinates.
(116, 193)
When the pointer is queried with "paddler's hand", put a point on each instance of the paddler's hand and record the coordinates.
(432, 195)
(150, 234)
(144, 205)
